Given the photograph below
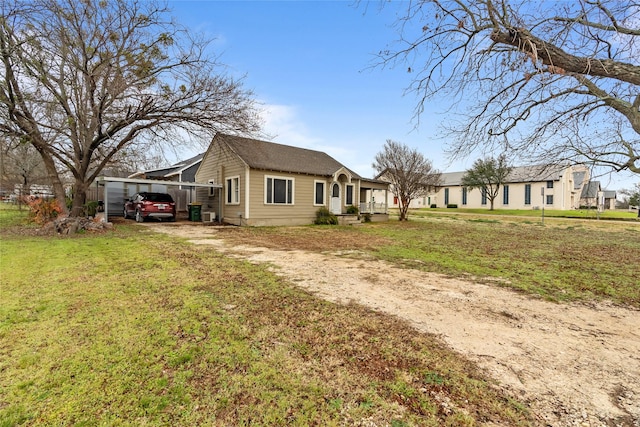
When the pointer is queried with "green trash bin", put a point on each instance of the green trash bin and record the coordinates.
(195, 211)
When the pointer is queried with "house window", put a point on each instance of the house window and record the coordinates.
(349, 195)
(233, 190)
(505, 195)
(527, 194)
(446, 196)
(278, 191)
(550, 199)
(484, 196)
(549, 184)
(212, 190)
(319, 193)
(464, 196)
(395, 200)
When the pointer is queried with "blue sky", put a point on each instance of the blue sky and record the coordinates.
(310, 64)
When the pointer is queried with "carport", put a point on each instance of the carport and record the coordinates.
(116, 190)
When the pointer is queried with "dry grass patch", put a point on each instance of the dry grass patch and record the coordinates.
(96, 331)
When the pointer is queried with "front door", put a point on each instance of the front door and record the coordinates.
(336, 208)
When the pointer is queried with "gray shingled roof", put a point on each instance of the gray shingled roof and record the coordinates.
(171, 170)
(265, 155)
(590, 190)
(518, 174)
(578, 178)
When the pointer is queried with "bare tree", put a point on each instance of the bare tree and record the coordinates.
(632, 196)
(487, 175)
(21, 165)
(549, 81)
(411, 174)
(84, 80)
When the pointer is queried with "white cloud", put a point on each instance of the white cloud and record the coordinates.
(281, 122)
(284, 124)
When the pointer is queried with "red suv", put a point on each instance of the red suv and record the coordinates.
(150, 205)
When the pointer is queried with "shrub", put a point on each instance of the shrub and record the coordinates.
(367, 217)
(91, 208)
(433, 206)
(325, 217)
(353, 210)
(43, 210)
(452, 206)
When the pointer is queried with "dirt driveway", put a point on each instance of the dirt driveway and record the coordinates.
(575, 365)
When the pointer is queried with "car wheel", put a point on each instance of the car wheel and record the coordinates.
(125, 213)
(139, 217)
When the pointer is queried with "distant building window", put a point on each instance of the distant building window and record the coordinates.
(319, 196)
(233, 190)
(464, 196)
(505, 195)
(550, 199)
(527, 194)
(278, 191)
(484, 196)
(446, 196)
(349, 196)
(549, 184)
(395, 200)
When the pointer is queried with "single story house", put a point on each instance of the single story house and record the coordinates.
(264, 183)
(527, 187)
(182, 171)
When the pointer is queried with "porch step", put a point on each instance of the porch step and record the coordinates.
(349, 220)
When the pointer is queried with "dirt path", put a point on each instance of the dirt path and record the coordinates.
(575, 365)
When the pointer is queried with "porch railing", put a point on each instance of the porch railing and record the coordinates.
(373, 208)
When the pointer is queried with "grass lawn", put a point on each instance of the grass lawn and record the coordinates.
(130, 328)
(548, 213)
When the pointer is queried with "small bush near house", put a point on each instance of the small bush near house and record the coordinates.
(367, 217)
(91, 208)
(325, 217)
(452, 206)
(433, 206)
(353, 210)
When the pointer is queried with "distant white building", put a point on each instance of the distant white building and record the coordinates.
(35, 190)
(526, 187)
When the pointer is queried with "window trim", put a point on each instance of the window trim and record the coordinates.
(446, 196)
(527, 194)
(315, 192)
(550, 184)
(346, 194)
(505, 194)
(464, 196)
(283, 178)
(549, 199)
(232, 190)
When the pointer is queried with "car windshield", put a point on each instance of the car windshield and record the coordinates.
(159, 197)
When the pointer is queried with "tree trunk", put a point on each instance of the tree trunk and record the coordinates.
(404, 207)
(79, 198)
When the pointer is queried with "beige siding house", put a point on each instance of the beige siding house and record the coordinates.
(527, 187)
(265, 183)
